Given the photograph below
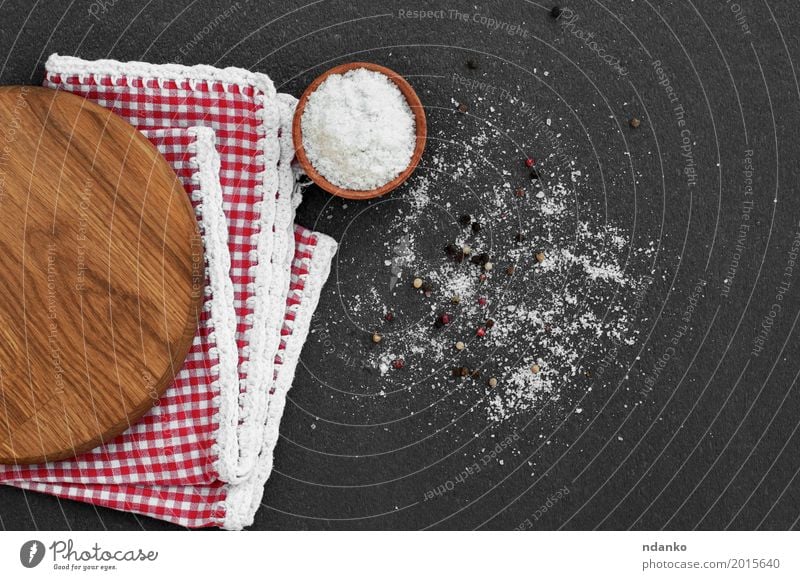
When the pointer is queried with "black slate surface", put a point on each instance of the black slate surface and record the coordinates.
(712, 443)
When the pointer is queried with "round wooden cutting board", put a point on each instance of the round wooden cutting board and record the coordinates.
(101, 275)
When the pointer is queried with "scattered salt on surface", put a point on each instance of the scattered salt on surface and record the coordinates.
(561, 314)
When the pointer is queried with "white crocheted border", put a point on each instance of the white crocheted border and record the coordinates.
(230, 77)
(235, 461)
(281, 258)
(243, 499)
(237, 505)
(222, 315)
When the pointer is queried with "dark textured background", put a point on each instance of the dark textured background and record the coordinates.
(713, 444)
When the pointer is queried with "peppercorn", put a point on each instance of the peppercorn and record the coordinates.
(398, 363)
(519, 192)
(466, 250)
(460, 345)
(488, 266)
(520, 237)
(376, 338)
(465, 220)
(535, 174)
(427, 287)
(443, 319)
(476, 227)
(482, 277)
(556, 12)
(489, 323)
(417, 283)
(493, 382)
(530, 162)
(535, 369)
(456, 299)
(475, 374)
(548, 328)
(634, 123)
(481, 331)
(462, 108)
(481, 259)
(482, 301)
(471, 64)
(460, 371)
(510, 270)
(540, 257)
(389, 316)
(454, 252)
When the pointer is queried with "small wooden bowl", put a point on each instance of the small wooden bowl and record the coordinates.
(421, 130)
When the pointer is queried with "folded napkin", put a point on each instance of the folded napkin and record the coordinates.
(232, 506)
(202, 456)
(253, 134)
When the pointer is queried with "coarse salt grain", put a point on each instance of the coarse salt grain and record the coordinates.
(358, 130)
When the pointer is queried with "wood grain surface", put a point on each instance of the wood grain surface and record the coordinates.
(101, 275)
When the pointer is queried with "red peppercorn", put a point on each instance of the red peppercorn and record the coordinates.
(530, 162)
(389, 316)
(482, 277)
(481, 331)
(482, 301)
(398, 363)
(443, 319)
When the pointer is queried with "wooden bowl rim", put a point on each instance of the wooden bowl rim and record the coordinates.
(419, 117)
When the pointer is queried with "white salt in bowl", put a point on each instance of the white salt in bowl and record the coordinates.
(421, 130)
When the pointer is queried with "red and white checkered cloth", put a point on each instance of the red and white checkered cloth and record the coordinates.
(232, 506)
(218, 481)
(253, 131)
